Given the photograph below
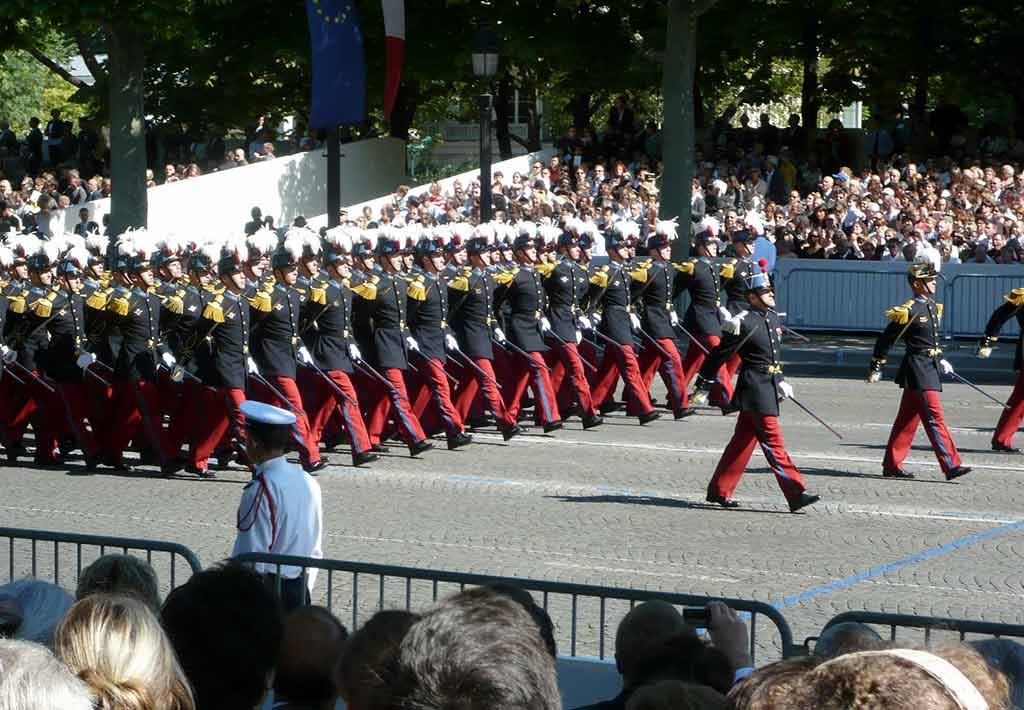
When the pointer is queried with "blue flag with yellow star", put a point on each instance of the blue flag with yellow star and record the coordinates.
(339, 71)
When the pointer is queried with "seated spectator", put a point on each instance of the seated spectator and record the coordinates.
(947, 677)
(540, 616)
(850, 636)
(225, 626)
(85, 225)
(475, 650)
(120, 574)
(311, 647)
(114, 643)
(30, 610)
(677, 695)
(1007, 657)
(367, 664)
(32, 679)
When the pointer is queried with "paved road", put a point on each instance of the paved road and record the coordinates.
(622, 505)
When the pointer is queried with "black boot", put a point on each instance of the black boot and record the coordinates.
(460, 439)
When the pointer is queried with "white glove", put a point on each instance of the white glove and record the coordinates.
(10, 355)
(411, 342)
(635, 320)
(579, 337)
(585, 323)
(785, 390)
(984, 350)
(304, 355)
(724, 312)
(85, 359)
(545, 325)
(169, 360)
(733, 324)
(250, 365)
(353, 352)
(673, 318)
(499, 335)
(946, 367)
(451, 342)
(874, 377)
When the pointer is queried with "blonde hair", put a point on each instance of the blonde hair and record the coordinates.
(116, 645)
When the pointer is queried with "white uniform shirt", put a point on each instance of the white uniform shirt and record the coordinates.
(281, 513)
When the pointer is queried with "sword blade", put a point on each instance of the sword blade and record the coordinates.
(978, 389)
(815, 417)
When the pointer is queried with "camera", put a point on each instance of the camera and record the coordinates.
(696, 616)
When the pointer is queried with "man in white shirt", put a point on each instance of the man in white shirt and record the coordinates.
(281, 511)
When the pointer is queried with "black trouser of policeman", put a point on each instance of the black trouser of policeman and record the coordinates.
(293, 593)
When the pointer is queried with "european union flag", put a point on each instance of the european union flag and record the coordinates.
(339, 71)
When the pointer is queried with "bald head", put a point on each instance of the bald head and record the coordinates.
(311, 645)
(643, 627)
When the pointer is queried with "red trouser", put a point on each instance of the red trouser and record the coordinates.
(30, 403)
(137, 405)
(620, 360)
(384, 399)
(532, 372)
(1012, 416)
(223, 409)
(74, 397)
(188, 401)
(651, 360)
(431, 385)
(566, 360)
(920, 406)
(752, 428)
(721, 392)
(471, 382)
(695, 358)
(309, 450)
(325, 402)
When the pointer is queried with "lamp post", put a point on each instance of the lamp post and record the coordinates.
(485, 67)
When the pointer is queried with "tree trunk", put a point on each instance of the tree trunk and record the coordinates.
(406, 102)
(699, 112)
(581, 110)
(503, 116)
(921, 136)
(678, 132)
(533, 118)
(810, 98)
(128, 205)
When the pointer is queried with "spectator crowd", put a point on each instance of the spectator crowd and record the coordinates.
(221, 642)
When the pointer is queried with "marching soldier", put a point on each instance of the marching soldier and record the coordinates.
(277, 347)
(609, 295)
(1013, 414)
(522, 287)
(734, 273)
(136, 313)
(327, 333)
(756, 338)
(916, 322)
(383, 298)
(428, 318)
(223, 360)
(567, 286)
(655, 291)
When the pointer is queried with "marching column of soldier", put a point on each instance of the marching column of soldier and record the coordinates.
(409, 332)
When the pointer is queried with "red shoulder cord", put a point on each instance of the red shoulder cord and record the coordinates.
(254, 510)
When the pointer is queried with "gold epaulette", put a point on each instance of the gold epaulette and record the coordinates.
(16, 304)
(98, 300)
(120, 306)
(318, 295)
(938, 310)
(261, 302)
(459, 283)
(44, 306)
(505, 277)
(175, 304)
(546, 270)
(727, 270)
(686, 267)
(417, 290)
(367, 289)
(213, 310)
(1016, 297)
(600, 277)
(638, 274)
(900, 314)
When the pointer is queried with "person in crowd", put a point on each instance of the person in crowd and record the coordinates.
(120, 574)
(31, 609)
(226, 627)
(115, 644)
(311, 648)
(367, 665)
(31, 678)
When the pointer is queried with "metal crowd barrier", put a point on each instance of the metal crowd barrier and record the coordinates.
(933, 628)
(585, 616)
(54, 556)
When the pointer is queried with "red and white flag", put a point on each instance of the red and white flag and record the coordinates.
(394, 31)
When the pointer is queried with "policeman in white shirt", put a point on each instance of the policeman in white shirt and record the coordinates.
(280, 512)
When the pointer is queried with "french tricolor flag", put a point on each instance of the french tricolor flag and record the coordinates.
(394, 31)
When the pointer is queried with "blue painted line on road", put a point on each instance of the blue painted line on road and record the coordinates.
(898, 564)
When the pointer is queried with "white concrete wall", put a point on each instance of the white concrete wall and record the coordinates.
(520, 163)
(218, 204)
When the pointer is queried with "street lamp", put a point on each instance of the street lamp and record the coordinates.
(485, 67)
